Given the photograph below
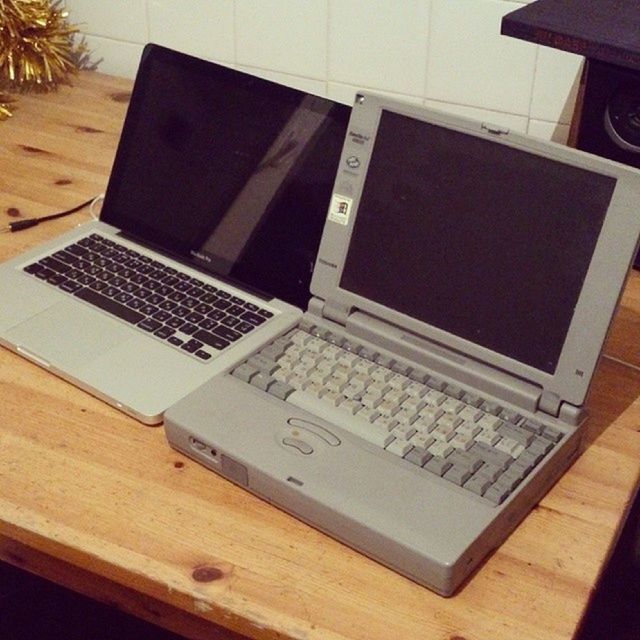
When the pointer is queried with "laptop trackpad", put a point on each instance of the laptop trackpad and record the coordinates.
(68, 334)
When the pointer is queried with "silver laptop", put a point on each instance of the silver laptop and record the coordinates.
(435, 388)
(208, 235)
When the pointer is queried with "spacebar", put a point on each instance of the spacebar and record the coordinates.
(333, 415)
(106, 304)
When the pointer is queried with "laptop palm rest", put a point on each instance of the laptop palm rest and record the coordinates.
(67, 334)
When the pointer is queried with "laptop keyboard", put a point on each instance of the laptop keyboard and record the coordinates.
(181, 310)
(448, 431)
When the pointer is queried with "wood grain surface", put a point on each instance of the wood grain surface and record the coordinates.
(98, 502)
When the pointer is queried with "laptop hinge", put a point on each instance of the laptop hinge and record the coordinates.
(550, 403)
(335, 313)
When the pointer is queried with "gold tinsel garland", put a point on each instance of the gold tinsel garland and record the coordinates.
(37, 49)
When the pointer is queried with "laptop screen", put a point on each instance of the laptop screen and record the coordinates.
(226, 170)
(487, 242)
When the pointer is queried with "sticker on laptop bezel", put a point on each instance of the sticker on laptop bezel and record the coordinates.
(340, 209)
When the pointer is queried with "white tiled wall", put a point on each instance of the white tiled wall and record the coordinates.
(448, 54)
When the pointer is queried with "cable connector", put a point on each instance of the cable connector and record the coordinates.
(19, 225)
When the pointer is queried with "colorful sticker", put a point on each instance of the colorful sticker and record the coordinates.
(340, 209)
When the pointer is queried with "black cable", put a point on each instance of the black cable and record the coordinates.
(19, 225)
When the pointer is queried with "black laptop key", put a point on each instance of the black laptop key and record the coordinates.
(63, 256)
(111, 291)
(56, 279)
(76, 250)
(148, 309)
(114, 267)
(130, 287)
(167, 305)
(149, 324)
(203, 355)
(213, 340)
(221, 304)
(253, 318)
(226, 332)
(244, 327)
(181, 312)
(140, 279)
(118, 281)
(105, 276)
(86, 280)
(70, 286)
(207, 324)
(83, 264)
(136, 303)
(109, 305)
(190, 303)
(158, 272)
(265, 314)
(188, 328)
(161, 315)
(45, 273)
(98, 285)
(223, 294)
(170, 280)
(55, 265)
(34, 268)
(100, 248)
(175, 322)
(73, 274)
(91, 256)
(230, 321)
(183, 286)
(164, 332)
(152, 284)
(127, 273)
(196, 292)
(235, 310)
(155, 298)
(192, 346)
(164, 289)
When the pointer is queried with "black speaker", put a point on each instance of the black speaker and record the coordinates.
(609, 122)
(606, 120)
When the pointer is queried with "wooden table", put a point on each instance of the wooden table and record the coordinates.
(93, 500)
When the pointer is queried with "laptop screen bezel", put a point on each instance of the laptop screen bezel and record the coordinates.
(602, 286)
(293, 286)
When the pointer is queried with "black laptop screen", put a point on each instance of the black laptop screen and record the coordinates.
(487, 242)
(229, 171)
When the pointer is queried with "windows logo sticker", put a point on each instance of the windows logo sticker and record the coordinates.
(340, 209)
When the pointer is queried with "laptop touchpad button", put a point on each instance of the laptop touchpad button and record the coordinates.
(68, 335)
